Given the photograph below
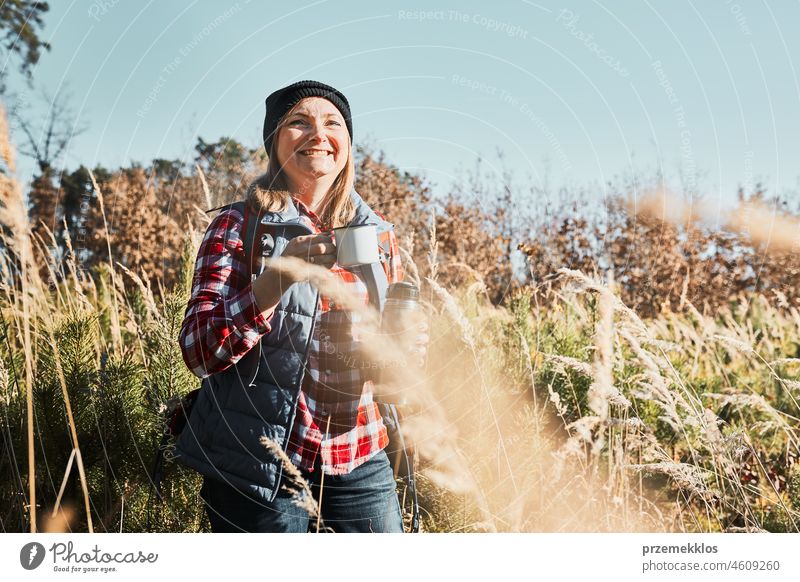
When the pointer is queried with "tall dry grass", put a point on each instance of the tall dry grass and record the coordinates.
(72, 380)
(584, 417)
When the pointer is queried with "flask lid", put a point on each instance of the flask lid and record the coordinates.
(403, 291)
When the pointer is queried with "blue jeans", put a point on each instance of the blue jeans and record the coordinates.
(364, 500)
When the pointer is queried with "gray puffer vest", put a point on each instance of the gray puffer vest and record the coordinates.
(257, 396)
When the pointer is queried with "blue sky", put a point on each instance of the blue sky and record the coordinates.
(580, 91)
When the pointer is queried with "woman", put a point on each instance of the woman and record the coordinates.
(296, 388)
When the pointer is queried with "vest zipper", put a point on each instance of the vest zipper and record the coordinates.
(302, 373)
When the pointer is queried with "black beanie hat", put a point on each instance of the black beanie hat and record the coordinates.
(282, 100)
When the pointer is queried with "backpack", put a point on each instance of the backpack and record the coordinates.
(402, 454)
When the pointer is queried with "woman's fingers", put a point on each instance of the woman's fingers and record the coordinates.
(421, 354)
(304, 243)
(326, 261)
(322, 249)
(319, 245)
(317, 249)
(420, 350)
(315, 238)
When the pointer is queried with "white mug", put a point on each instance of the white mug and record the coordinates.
(356, 245)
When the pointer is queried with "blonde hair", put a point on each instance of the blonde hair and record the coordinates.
(270, 191)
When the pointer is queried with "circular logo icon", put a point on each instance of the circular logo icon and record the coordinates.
(31, 555)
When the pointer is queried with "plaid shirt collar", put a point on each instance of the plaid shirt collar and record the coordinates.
(304, 209)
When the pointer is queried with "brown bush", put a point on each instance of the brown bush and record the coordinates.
(142, 236)
(659, 265)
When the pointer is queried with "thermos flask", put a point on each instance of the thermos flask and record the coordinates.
(400, 320)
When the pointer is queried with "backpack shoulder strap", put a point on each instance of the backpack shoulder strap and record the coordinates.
(249, 227)
(372, 272)
(377, 281)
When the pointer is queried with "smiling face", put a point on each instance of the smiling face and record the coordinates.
(312, 143)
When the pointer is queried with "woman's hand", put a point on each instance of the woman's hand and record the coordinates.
(316, 249)
(414, 346)
(410, 353)
(419, 352)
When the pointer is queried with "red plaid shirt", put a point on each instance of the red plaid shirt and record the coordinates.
(336, 415)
